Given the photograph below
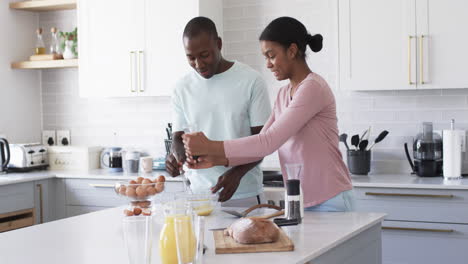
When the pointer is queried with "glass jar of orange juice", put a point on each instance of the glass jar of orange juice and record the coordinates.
(181, 212)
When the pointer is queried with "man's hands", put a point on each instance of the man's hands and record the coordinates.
(176, 158)
(229, 182)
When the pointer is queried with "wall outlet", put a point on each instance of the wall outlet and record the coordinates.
(49, 138)
(63, 138)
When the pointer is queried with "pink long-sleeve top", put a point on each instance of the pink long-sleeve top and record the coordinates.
(304, 130)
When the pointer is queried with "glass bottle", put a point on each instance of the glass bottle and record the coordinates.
(54, 43)
(40, 47)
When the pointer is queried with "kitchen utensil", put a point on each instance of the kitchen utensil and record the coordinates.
(111, 159)
(168, 132)
(355, 141)
(363, 144)
(27, 157)
(293, 200)
(344, 138)
(226, 244)
(359, 162)
(246, 212)
(365, 133)
(379, 138)
(427, 153)
(4, 155)
(138, 238)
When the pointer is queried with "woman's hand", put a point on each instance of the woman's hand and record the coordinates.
(197, 144)
(205, 162)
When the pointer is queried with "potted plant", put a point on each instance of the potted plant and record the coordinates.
(69, 44)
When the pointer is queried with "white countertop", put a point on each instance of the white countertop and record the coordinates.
(408, 181)
(11, 178)
(97, 238)
(378, 180)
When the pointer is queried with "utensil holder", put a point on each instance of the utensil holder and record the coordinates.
(359, 161)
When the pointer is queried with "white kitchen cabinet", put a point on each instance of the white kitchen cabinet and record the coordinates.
(418, 220)
(108, 39)
(402, 44)
(16, 197)
(134, 48)
(442, 43)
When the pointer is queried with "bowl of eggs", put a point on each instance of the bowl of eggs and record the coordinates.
(141, 189)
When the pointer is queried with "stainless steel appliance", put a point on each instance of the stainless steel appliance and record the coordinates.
(427, 153)
(26, 157)
(4, 155)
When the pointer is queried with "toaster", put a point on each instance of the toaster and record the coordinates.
(26, 157)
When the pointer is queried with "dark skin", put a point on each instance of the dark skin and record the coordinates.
(204, 56)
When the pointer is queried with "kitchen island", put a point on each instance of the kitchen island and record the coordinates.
(97, 238)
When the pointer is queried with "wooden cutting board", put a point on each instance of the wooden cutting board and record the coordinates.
(226, 244)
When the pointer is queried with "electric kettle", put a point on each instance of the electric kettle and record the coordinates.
(4, 155)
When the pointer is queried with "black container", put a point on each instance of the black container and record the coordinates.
(359, 161)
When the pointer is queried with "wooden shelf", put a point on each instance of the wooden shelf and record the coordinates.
(45, 64)
(44, 5)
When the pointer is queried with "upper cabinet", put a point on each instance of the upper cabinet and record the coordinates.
(402, 44)
(135, 48)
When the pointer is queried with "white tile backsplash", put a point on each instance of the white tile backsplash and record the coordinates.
(140, 122)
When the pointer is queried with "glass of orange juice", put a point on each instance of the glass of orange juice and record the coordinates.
(189, 233)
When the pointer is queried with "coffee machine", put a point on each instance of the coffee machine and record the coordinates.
(427, 153)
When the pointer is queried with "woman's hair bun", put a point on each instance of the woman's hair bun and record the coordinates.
(315, 42)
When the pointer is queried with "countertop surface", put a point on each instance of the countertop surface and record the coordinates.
(98, 238)
(377, 180)
(99, 174)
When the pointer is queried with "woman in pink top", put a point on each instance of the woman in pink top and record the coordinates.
(303, 125)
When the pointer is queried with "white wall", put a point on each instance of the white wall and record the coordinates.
(20, 109)
(141, 121)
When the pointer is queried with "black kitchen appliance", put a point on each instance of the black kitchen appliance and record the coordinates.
(4, 155)
(427, 153)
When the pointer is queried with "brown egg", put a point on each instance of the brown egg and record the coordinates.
(159, 187)
(137, 211)
(140, 180)
(141, 192)
(151, 191)
(128, 212)
(131, 192)
(146, 181)
(145, 204)
(161, 178)
(146, 212)
(132, 182)
(122, 189)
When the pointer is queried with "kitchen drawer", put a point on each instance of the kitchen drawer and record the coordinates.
(425, 205)
(88, 192)
(15, 220)
(425, 243)
(16, 197)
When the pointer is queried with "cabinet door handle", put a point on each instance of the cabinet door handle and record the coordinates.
(421, 59)
(409, 60)
(97, 185)
(140, 70)
(417, 229)
(41, 203)
(132, 71)
(449, 196)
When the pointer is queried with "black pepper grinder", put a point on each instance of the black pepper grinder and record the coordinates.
(293, 189)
